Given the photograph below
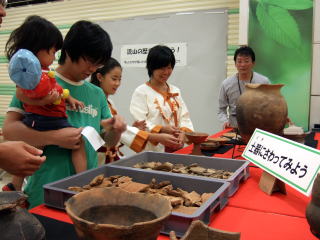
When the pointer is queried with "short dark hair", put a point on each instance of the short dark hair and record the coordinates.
(158, 57)
(35, 34)
(244, 51)
(110, 64)
(88, 40)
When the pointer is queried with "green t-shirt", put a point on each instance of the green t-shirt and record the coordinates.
(58, 164)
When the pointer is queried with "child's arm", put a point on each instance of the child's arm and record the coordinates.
(15, 130)
(74, 103)
(49, 99)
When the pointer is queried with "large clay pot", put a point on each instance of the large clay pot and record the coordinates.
(114, 214)
(261, 106)
(313, 209)
(17, 222)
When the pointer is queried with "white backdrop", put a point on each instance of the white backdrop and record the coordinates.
(205, 35)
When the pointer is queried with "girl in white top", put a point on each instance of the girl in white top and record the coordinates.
(109, 79)
(160, 104)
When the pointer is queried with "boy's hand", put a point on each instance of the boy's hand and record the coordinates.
(115, 123)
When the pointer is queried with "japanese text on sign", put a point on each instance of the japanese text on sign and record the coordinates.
(289, 161)
(284, 162)
(136, 55)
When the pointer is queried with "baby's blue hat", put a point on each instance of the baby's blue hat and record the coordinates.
(25, 69)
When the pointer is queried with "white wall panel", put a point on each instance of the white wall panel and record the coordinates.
(315, 83)
(64, 13)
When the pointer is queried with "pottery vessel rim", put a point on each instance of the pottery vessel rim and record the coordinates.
(118, 227)
(209, 145)
(257, 85)
(196, 134)
(221, 140)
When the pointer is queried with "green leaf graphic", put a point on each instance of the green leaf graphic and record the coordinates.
(279, 25)
(290, 4)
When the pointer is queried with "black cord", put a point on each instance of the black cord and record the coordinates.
(239, 82)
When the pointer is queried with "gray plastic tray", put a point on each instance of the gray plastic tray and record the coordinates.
(56, 193)
(240, 168)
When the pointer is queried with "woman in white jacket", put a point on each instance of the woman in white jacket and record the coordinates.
(160, 104)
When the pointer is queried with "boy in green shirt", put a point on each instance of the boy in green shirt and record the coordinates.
(86, 47)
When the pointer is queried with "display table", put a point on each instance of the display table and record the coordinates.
(249, 211)
(249, 196)
(262, 225)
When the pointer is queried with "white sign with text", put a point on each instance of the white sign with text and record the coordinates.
(136, 55)
(93, 137)
(291, 162)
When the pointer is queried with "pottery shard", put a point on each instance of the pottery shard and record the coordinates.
(156, 185)
(144, 165)
(164, 167)
(206, 196)
(122, 181)
(185, 210)
(154, 191)
(197, 170)
(135, 187)
(76, 189)
(211, 170)
(199, 230)
(178, 165)
(183, 170)
(164, 190)
(106, 183)
(193, 197)
(175, 193)
(114, 178)
(175, 201)
(97, 180)
(87, 187)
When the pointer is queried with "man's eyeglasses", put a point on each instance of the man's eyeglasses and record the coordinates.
(3, 3)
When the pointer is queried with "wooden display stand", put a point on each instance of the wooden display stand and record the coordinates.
(270, 184)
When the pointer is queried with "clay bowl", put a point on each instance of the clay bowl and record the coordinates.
(230, 135)
(220, 140)
(209, 146)
(115, 214)
(196, 137)
(300, 138)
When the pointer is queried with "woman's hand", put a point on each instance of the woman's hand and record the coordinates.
(142, 125)
(165, 139)
(182, 138)
(170, 130)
